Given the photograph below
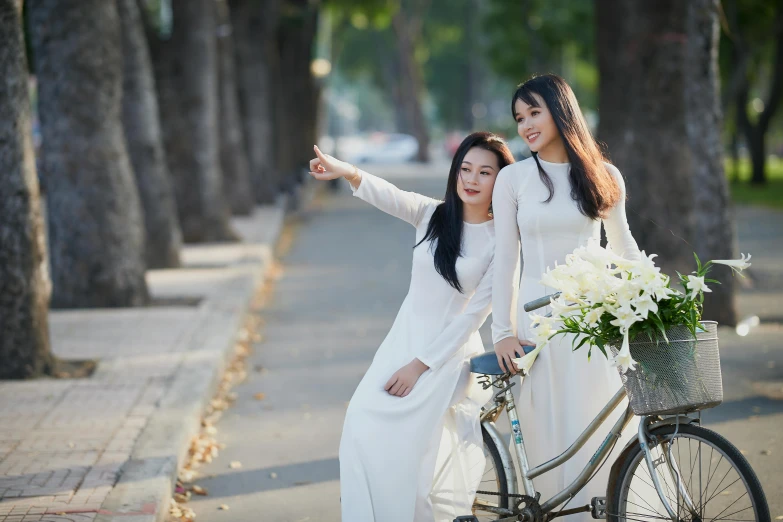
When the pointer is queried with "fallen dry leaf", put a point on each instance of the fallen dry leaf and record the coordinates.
(259, 396)
(780, 517)
(198, 490)
(766, 452)
(235, 464)
(224, 507)
(273, 475)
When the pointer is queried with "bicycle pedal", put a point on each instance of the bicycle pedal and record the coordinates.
(598, 507)
(466, 518)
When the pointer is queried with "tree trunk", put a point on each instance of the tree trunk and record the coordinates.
(758, 156)
(297, 95)
(145, 146)
(96, 227)
(254, 28)
(643, 108)
(24, 284)
(735, 156)
(233, 151)
(714, 236)
(410, 80)
(186, 75)
(660, 117)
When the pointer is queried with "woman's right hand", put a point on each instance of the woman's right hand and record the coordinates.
(325, 167)
(508, 349)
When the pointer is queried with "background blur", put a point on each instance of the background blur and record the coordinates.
(149, 150)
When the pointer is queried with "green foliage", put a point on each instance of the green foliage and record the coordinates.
(769, 195)
(541, 36)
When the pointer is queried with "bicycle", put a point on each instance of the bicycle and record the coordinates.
(666, 447)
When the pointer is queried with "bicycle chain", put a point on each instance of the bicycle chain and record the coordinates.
(497, 494)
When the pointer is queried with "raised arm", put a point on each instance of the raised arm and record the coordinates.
(505, 279)
(408, 206)
(459, 330)
(618, 234)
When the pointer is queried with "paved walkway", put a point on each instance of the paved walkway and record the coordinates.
(64, 443)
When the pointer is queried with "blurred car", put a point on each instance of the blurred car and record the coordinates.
(377, 147)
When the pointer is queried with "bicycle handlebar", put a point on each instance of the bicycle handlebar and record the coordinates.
(540, 302)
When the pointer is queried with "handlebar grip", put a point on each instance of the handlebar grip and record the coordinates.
(540, 302)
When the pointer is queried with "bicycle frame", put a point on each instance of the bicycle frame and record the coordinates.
(505, 400)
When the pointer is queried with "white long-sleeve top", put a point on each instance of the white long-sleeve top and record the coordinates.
(547, 232)
(448, 316)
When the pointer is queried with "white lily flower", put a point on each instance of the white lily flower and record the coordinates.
(624, 317)
(736, 265)
(525, 362)
(696, 284)
(593, 316)
(644, 306)
(623, 360)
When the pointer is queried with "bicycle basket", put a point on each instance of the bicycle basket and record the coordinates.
(679, 376)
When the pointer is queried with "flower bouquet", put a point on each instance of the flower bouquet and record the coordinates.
(651, 332)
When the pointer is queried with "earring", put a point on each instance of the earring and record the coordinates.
(489, 213)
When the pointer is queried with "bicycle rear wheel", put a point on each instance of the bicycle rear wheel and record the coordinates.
(494, 479)
(715, 481)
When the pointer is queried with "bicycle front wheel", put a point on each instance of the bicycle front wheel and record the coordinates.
(702, 475)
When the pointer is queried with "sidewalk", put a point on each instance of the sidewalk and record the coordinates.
(108, 447)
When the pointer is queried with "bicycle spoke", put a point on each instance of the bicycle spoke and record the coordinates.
(727, 507)
(642, 507)
(709, 480)
(724, 489)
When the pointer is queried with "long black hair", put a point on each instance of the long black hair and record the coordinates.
(445, 226)
(592, 186)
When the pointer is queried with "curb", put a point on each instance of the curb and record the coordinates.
(144, 488)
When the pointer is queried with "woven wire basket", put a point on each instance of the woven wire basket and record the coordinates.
(680, 376)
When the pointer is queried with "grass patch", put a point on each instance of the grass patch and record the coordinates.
(769, 195)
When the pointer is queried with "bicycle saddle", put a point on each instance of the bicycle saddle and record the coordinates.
(487, 363)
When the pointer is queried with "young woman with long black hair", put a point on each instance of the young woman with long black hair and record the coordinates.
(553, 203)
(411, 446)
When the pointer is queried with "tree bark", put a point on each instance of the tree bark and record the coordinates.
(24, 284)
(714, 236)
(186, 74)
(233, 147)
(254, 25)
(145, 144)
(660, 117)
(96, 227)
(297, 94)
(411, 84)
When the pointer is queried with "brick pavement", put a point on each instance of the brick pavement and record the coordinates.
(65, 443)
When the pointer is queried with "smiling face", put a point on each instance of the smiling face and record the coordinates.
(535, 125)
(477, 176)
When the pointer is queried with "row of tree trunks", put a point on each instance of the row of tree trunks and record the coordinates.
(186, 72)
(660, 117)
(24, 284)
(233, 147)
(145, 147)
(410, 82)
(296, 96)
(254, 24)
(96, 228)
